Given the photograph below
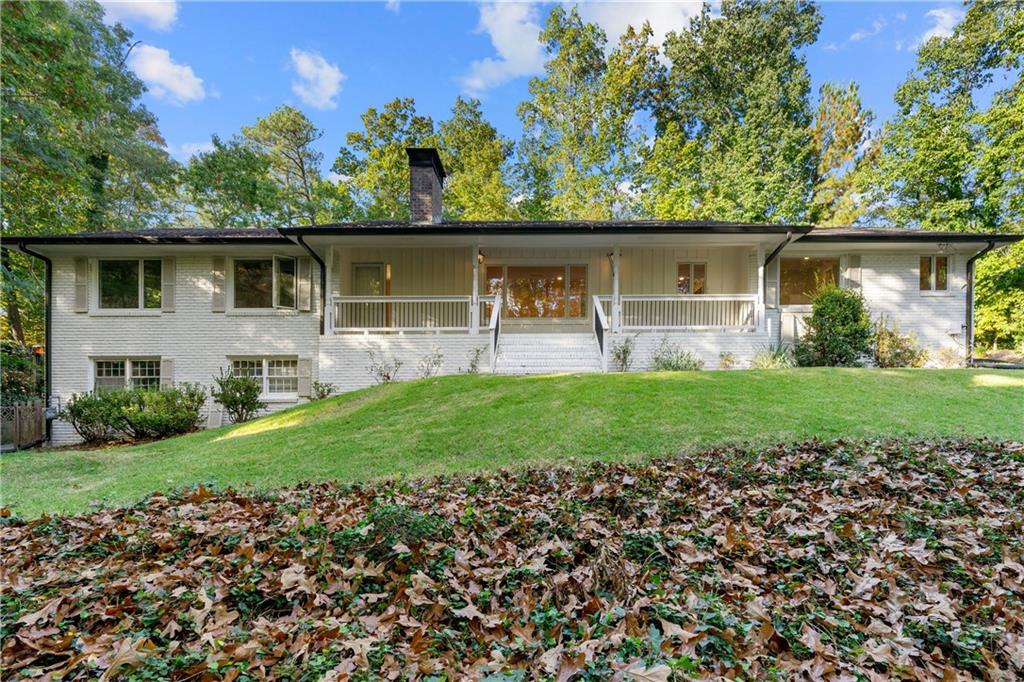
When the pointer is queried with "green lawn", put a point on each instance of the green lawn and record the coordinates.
(464, 423)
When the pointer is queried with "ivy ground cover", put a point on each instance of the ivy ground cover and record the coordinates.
(845, 560)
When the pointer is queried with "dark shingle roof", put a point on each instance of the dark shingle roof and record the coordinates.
(850, 233)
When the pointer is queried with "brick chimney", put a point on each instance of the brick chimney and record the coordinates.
(426, 176)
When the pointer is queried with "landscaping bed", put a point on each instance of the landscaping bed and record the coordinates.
(892, 559)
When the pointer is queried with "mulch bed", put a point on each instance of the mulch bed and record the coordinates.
(887, 560)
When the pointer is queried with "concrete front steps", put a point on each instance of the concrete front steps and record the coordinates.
(551, 353)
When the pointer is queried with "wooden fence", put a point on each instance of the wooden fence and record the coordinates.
(22, 424)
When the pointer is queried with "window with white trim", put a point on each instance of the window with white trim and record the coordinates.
(277, 376)
(113, 374)
(126, 284)
(934, 273)
(691, 278)
(264, 282)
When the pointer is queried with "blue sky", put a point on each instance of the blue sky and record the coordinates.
(213, 67)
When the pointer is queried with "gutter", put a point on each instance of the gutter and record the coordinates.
(47, 331)
(323, 275)
(969, 319)
(771, 256)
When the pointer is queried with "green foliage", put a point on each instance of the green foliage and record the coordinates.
(670, 357)
(322, 389)
(22, 375)
(93, 416)
(374, 162)
(580, 138)
(943, 163)
(622, 353)
(735, 136)
(773, 356)
(388, 524)
(999, 298)
(838, 330)
(135, 413)
(287, 137)
(231, 186)
(841, 128)
(158, 413)
(239, 396)
(892, 349)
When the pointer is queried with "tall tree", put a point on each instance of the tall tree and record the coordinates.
(580, 136)
(231, 185)
(840, 135)
(78, 149)
(735, 122)
(944, 162)
(373, 162)
(475, 157)
(287, 136)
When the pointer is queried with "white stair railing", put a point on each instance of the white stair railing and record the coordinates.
(494, 328)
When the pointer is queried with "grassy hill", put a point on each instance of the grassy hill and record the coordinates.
(464, 423)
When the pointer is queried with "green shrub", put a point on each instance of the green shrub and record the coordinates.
(669, 357)
(95, 417)
(135, 413)
(21, 373)
(159, 413)
(838, 330)
(773, 356)
(622, 353)
(893, 349)
(726, 360)
(322, 389)
(239, 396)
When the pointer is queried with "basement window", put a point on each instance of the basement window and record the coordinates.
(129, 284)
(111, 375)
(277, 376)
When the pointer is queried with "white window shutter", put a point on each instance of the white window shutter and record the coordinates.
(305, 283)
(81, 285)
(166, 372)
(305, 371)
(167, 284)
(218, 279)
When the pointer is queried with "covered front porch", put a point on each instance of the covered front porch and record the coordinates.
(505, 289)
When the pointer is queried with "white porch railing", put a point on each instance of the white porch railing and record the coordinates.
(373, 314)
(695, 312)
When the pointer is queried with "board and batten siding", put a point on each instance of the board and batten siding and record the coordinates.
(196, 340)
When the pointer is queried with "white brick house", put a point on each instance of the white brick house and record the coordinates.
(297, 305)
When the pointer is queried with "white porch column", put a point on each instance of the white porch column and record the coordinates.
(615, 289)
(329, 293)
(474, 304)
(760, 288)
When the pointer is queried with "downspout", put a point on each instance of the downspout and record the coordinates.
(47, 331)
(969, 335)
(771, 256)
(323, 276)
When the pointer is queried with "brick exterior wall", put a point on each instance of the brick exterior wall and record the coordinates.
(424, 195)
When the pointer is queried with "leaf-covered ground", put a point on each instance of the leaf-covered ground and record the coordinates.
(846, 560)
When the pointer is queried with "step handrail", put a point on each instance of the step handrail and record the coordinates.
(494, 327)
(600, 331)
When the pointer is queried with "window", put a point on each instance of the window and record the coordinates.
(129, 284)
(277, 376)
(264, 282)
(800, 278)
(126, 373)
(934, 274)
(540, 291)
(692, 278)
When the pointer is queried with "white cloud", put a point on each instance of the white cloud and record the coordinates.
(944, 20)
(391, 5)
(664, 17)
(319, 81)
(166, 78)
(156, 14)
(514, 31)
(190, 149)
(876, 27)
